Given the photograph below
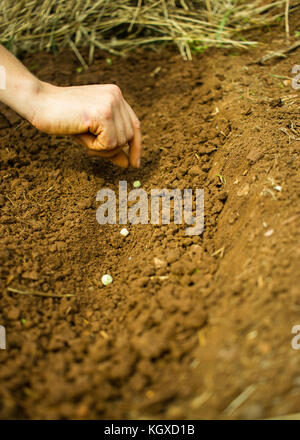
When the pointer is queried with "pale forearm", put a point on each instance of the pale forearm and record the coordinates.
(21, 87)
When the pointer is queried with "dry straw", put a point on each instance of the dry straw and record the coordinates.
(118, 26)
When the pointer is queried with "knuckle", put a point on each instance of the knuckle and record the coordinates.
(136, 123)
(122, 140)
(115, 90)
(108, 112)
(130, 133)
(93, 113)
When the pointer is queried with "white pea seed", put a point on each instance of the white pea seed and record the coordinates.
(269, 233)
(137, 184)
(124, 232)
(106, 279)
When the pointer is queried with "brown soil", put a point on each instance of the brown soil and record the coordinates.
(212, 321)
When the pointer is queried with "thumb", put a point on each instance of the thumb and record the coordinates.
(116, 156)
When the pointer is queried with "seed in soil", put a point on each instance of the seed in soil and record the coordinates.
(106, 279)
(124, 232)
(137, 184)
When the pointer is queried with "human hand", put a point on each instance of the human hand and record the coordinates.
(97, 116)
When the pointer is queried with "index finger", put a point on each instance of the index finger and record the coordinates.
(135, 144)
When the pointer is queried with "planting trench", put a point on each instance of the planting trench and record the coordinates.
(190, 323)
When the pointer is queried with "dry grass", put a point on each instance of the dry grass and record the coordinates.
(118, 26)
